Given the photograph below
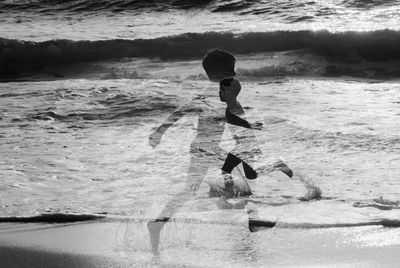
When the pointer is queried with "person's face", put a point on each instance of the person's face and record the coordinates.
(226, 93)
(222, 94)
(229, 93)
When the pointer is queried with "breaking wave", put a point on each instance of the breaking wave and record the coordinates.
(340, 47)
(45, 6)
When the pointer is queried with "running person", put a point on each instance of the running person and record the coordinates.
(204, 149)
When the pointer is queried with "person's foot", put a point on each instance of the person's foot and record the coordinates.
(257, 125)
(280, 165)
(154, 227)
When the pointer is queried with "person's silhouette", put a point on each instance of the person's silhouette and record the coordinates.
(204, 149)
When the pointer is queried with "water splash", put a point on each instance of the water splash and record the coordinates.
(313, 191)
(379, 203)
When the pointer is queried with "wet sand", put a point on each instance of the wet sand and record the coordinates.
(123, 243)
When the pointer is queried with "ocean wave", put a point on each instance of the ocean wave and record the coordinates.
(113, 108)
(296, 67)
(52, 218)
(101, 114)
(367, 4)
(18, 56)
(45, 6)
(243, 6)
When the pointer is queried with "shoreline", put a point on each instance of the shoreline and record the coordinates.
(123, 244)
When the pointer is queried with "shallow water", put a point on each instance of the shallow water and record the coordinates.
(82, 146)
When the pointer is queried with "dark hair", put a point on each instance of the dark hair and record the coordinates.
(219, 62)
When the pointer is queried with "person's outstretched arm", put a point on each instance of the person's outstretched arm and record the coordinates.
(155, 136)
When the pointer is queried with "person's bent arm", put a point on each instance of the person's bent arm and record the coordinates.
(236, 120)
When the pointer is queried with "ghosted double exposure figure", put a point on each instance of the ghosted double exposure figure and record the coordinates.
(205, 151)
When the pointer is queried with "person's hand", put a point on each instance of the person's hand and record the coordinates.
(154, 139)
(257, 125)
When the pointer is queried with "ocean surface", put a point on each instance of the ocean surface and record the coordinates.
(84, 83)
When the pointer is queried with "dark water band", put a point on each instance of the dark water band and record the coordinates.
(52, 218)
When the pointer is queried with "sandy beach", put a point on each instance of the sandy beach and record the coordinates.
(123, 243)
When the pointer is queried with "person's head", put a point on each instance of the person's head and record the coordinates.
(219, 64)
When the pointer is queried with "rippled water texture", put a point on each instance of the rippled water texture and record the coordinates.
(34, 20)
(82, 146)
